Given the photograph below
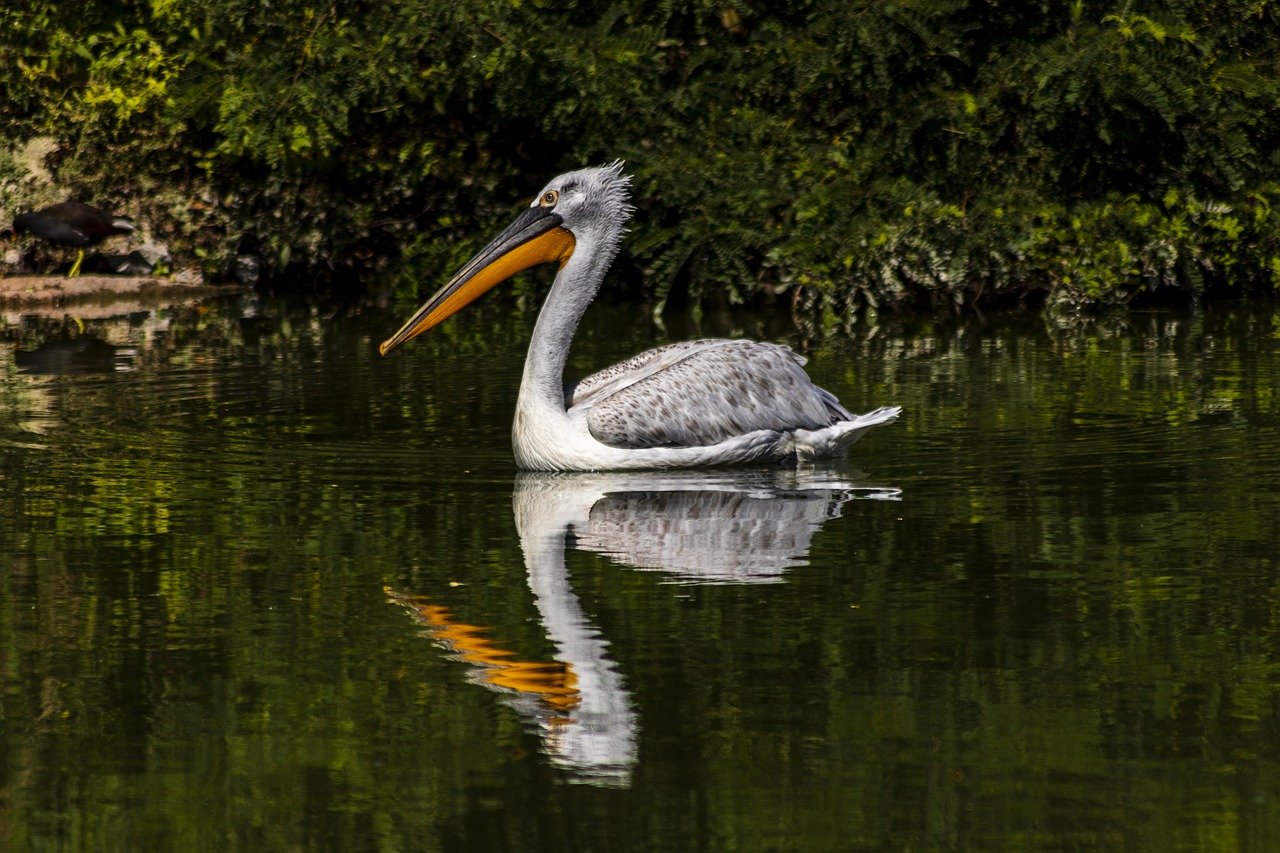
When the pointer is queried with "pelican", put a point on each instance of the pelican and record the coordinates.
(683, 405)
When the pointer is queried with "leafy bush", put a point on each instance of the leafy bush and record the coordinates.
(851, 154)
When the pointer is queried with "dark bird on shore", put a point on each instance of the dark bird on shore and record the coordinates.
(72, 224)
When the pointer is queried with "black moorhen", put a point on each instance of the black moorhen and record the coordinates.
(72, 224)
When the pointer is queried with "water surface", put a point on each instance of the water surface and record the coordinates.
(264, 590)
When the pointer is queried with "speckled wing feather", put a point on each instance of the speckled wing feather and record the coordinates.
(624, 374)
(700, 393)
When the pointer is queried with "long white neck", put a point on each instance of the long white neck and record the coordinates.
(575, 286)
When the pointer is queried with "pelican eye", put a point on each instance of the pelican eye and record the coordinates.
(549, 198)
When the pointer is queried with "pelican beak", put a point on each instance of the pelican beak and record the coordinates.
(536, 237)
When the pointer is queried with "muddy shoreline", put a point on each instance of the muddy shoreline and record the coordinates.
(99, 295)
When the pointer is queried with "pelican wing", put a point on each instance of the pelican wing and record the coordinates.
(624, 374)
(700, 393)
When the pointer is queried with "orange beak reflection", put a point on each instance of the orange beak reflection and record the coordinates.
(553, 683)
(536, 237)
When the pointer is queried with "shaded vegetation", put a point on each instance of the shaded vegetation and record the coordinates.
(845, 154)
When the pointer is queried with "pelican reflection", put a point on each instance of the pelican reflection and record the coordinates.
(696, 526)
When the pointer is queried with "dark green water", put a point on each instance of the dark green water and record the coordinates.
(263, 590)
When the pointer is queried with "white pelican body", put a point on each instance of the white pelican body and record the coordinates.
(697, 403)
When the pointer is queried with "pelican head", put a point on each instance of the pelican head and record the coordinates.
(589, 205)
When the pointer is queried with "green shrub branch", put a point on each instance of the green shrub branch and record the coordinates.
(851, 154)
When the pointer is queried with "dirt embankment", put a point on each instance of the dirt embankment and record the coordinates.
(39, 294)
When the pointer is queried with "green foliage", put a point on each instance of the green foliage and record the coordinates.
(863, 153)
